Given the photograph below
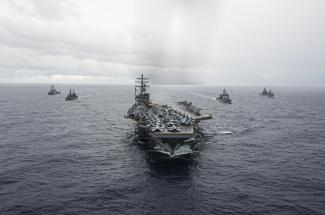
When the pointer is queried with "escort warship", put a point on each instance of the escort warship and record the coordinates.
(170, 129)
(224, 97)
(71, 96)
(53, 91)
(269, 93)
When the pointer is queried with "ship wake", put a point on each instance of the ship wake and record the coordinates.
(204, 96)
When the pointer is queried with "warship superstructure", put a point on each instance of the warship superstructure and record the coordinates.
(71, 96)
(224, 97)
(169, 127)
(267, 93)
(53, 91)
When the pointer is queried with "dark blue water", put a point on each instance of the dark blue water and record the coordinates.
(259, 155)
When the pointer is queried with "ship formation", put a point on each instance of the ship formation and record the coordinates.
(172, 130)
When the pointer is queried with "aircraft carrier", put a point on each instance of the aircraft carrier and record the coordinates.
(171, 128)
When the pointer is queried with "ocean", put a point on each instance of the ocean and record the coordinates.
(258, 155)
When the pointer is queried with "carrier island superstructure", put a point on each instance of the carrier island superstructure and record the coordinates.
(170, 127)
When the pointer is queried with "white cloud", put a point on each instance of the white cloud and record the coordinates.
(182, 41)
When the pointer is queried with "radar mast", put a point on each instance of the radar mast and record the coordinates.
(140, 90)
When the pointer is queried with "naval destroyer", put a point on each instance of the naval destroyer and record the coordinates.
(53, 91)
(224, 97)
(71, 96)
(269, 93)
(172, 129)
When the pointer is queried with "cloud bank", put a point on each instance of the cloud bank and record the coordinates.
(253, 42)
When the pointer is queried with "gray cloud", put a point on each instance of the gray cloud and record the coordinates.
(179, 42)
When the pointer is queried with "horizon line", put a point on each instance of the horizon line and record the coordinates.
(112, 84)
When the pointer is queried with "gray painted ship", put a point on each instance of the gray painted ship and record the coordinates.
(170, 127)
(269, 93)
(53, 91)
(224, 97)
(71, 96)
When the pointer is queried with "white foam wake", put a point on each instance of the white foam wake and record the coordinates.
(204, 96)
(225, 132)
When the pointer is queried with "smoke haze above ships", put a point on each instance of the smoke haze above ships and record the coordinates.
(254, 42)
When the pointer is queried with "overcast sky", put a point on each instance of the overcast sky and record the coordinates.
(230, 42)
